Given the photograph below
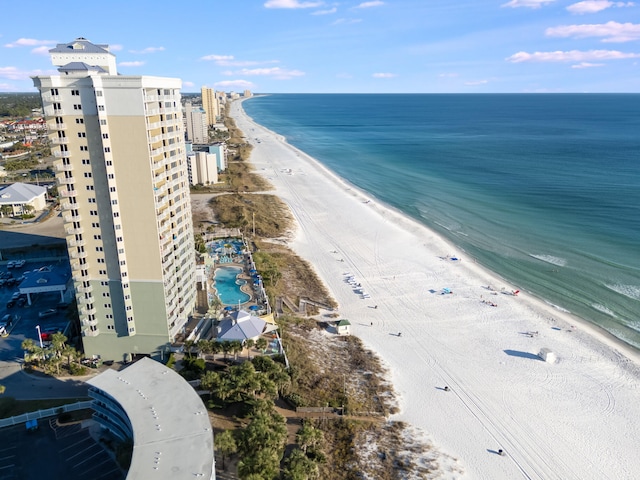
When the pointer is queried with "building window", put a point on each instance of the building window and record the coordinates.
(114, 202)
(104, 284)
(112, 189)
(75, 93)
(103, 121)
(82, 135)
(101, 108)
(98, 93)
(124, 274)
(105, 294)
(93, 213)
(128, 308)
(92, 200)
(57, 106)
(89, 187)
(54, 91)
(121, 251)
(77, 106)
(87, 174)
(119, 239)
(110, 327)
(105, 135)
(107, 149)
(97, 237)
(109, 163)
(102, 272)
(107, 305)
(123, 263)
(85, 161)
(100, 260)
(95, 225)
(84, 148)
(117, 227)
(80, 120)
(99, 249)
(132, 329)
(116, 214)
(111, 176)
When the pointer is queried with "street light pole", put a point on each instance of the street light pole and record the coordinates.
(39, 336)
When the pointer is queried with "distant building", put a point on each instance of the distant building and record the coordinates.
(247, 94)
(203, 168)
(196, 122)
(20, 195)
(343, 327)
(210, 105)
(122, 176)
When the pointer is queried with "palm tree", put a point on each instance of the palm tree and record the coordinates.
(261, 344)
(187, 346)
(309, 437)
(249, 343)
(226, 348)
(300, 467)
(70, 353)
(58, 341)
(226, 444)
(204, 346)
(236, 348)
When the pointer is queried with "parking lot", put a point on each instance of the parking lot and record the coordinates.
(68, 452)
(21, 320)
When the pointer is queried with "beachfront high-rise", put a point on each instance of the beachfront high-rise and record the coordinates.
(122, 178)
(210, 104)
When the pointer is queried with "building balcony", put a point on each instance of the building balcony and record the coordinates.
(68, 206)
(84, 299)
(88, 289)
(76, 255)
(59, 154)
(75, 231)
(76, 243)
(88, 311)
(66, 180)
(49, 111)
(69, 193)
(59, 140)
(72, 218)
(87, 332)
(52, 126)
(63, 167)
(75, 266)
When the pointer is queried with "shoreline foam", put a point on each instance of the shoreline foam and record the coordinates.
(459, 339)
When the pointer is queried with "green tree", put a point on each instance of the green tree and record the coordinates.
(187, 346)
(249, 345)
(300, 467)
(261, 464)
(210, 381)
(261, 344)
(226, 348)
(226, 445)
(236, 348)
(58, 341)
(6, 210)
(309, 437)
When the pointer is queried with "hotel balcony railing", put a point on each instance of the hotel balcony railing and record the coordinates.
(76, 243)
(68, 206)
(75, 266)
(56, 126)
(66, 180)
(89, 311)
(87, 332)
(69, 193)
(72, 218)
(84, 299)
(49, 111)
(62, 167)
(88, 289)
(59, 140)
(74, 231)
(59, 154)
(76, 255)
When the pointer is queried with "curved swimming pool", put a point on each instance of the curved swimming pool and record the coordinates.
(228, 286)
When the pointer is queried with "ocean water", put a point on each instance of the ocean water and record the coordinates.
(542, 189)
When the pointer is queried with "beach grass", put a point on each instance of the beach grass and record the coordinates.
(267, 213)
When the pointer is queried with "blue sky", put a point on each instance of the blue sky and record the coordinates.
(371, 46)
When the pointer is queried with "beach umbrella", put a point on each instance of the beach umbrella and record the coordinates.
(254, 307)
(228, 308)
(253, 271)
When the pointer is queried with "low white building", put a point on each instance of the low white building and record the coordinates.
(19, 195)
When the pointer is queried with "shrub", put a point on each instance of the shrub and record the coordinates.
(171, 361)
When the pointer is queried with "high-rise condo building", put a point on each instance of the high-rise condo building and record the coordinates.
(122, 177)
(210, 104)
(196, 122)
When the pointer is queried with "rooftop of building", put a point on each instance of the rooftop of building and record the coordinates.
(18, 193)
(172, 432)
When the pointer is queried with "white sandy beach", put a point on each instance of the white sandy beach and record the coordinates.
(578, 418)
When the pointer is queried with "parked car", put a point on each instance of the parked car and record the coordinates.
(11, 303)
(19, 263)
(47, 313)
(15, 296)
(11, 263)
(21, 302)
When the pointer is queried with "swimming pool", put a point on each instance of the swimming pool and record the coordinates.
(228, 286)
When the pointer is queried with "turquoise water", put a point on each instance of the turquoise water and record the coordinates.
(228, 286)
(542, 189)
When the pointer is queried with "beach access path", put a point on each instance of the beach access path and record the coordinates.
(577, 418)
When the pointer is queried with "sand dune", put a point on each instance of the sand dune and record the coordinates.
(576, 418)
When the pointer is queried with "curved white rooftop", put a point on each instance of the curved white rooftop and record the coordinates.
(172, 433)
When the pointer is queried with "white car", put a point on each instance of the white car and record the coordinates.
(19, 263)
(47, 313)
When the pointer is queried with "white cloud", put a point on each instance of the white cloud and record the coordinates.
(587, 65)
(384, 75)
(474, 83)
(30, 42)
(593, 6)
(613, 32)
(115, 48)
(148, 50)
(347, 21)
(325, 12)
(218, 58)
(570, 56)
(275, 72)
(526, 3)
(291, 4)
(376, 3)
(130, 64)
(234, 85)
(13, 73)
(44, 50)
